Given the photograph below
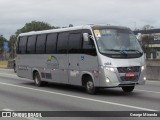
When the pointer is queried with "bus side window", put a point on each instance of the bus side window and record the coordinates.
(51, 43)
(88, 44)
(31, 44)
(75, 43)
(21, 45)
(62, 43)
(40, 45)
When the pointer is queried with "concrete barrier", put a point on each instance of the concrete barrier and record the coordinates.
(153, 69)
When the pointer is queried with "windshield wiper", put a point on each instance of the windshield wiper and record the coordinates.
(120, 51)
(137, 51)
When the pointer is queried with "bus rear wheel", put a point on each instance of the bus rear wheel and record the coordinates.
(128, 88)
(90, 88)
(37, 80)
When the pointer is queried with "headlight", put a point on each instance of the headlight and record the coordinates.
(110, 69)
(142, 68)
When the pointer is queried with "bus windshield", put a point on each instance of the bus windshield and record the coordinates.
(117, 41)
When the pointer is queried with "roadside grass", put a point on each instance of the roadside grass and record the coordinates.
(3, 64)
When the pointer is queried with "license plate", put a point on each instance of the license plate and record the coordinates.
(129, 74)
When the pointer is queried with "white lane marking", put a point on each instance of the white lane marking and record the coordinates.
(83, 98)
(6, 109)
(29, 118)
(148, 91)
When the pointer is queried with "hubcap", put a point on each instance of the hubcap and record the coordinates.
(36, 79)
(90, 85)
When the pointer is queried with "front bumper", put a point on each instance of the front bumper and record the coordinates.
(117, 79)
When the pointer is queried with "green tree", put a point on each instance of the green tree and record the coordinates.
(147, 27)
(12, 44)
(147, 38)
(35, 26)
(146, 41)
(2, 39)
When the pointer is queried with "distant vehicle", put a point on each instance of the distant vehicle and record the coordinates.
(93, 56)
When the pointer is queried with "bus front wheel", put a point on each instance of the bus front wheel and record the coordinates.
(37, 80)
(89, 85)
(128, 88)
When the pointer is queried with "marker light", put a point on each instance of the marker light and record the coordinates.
(142, 68)
(96, 73)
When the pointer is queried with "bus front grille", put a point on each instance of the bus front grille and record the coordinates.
(128, 69)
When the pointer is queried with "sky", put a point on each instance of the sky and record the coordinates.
(131, 13)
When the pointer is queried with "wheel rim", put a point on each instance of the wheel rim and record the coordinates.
(90, 85)
(36, 80)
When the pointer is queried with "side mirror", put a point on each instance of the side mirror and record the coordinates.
(86, 37)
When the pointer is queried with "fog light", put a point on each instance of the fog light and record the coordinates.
(144, 78)
(107, 80)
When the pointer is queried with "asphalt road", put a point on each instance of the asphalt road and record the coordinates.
(19, 94)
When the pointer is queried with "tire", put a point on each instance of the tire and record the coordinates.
(128, 88)
(89, 85)
(37, 80)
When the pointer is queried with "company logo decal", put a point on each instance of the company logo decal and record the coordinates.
(52, 62)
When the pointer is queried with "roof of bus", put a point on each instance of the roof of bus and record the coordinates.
(72, 28)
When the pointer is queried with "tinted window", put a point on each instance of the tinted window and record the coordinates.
(88, 46)
(62, 43)
(31, 44)
(51, 43)
(40, 44)
(22, 45)
(75, 43)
